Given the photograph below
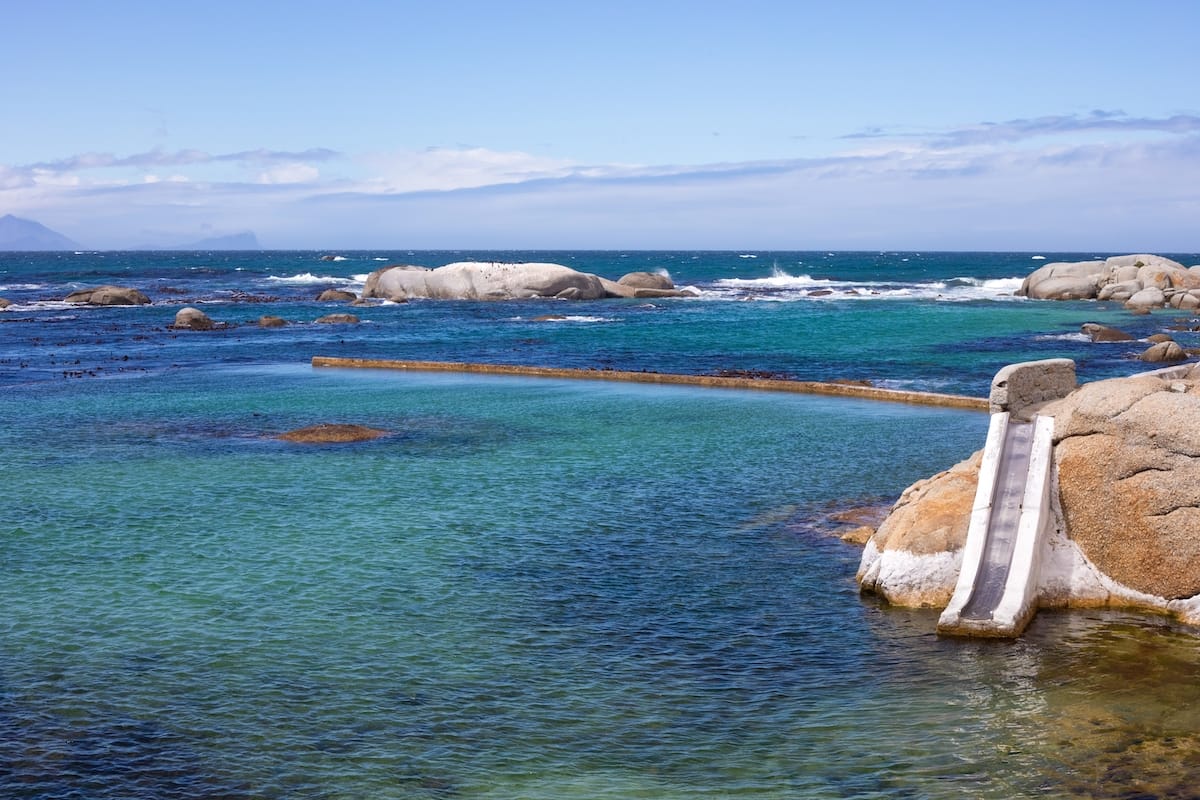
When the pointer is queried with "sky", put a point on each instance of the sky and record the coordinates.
(860, 124)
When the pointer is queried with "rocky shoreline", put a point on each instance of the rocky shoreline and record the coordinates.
(1127, 507)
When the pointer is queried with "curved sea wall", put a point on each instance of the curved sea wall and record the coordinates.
(1126, 529)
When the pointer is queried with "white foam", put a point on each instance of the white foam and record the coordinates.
(1063, 337)
(747, 255)
(44, 305)
(783, 287)
(1038, 258)
(305, 278)
(22, 287)
(778, 280)
(566, 318)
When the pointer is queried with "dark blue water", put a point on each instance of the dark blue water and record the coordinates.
(935, 321)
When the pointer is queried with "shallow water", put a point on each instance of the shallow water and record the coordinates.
(533, 589)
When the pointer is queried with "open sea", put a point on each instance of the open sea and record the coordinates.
(533, 588)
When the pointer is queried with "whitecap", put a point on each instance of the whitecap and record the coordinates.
(778, 279)
(575, 318)
(1038, 258)
(306, 278)
(783, 287)
(747, 255)
(1063, 337)
(44, 305)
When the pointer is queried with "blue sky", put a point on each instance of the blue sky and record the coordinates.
(769, 125)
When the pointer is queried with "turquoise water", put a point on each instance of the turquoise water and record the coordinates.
(531, 589)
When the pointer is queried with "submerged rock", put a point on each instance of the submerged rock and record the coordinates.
(271, 321)
(333, 433)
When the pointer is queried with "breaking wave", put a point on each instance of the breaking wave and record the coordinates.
(781, 286)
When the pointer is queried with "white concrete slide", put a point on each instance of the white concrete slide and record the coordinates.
(996, 592)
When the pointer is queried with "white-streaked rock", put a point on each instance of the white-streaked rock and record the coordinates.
(484, 280)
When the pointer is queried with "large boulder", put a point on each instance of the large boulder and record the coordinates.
(1163, 353)
(1150, 297)
(1128, 457)
(646, 280)
(914, 557)
(1077, 280)
(192, 319)
(108, 296)
(475, 280)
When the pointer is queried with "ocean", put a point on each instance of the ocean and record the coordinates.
(532, 588)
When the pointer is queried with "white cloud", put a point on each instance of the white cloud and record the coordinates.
(1106, 190)
(289, 173)
(442, 169)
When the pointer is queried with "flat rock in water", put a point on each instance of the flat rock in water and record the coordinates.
(338, 319)
(108, 296)
(333, 433)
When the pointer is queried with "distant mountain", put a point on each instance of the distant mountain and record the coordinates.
(25, 234)
(236, 241)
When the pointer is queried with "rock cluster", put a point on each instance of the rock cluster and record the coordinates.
(1127, 533)
(1140, 281)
